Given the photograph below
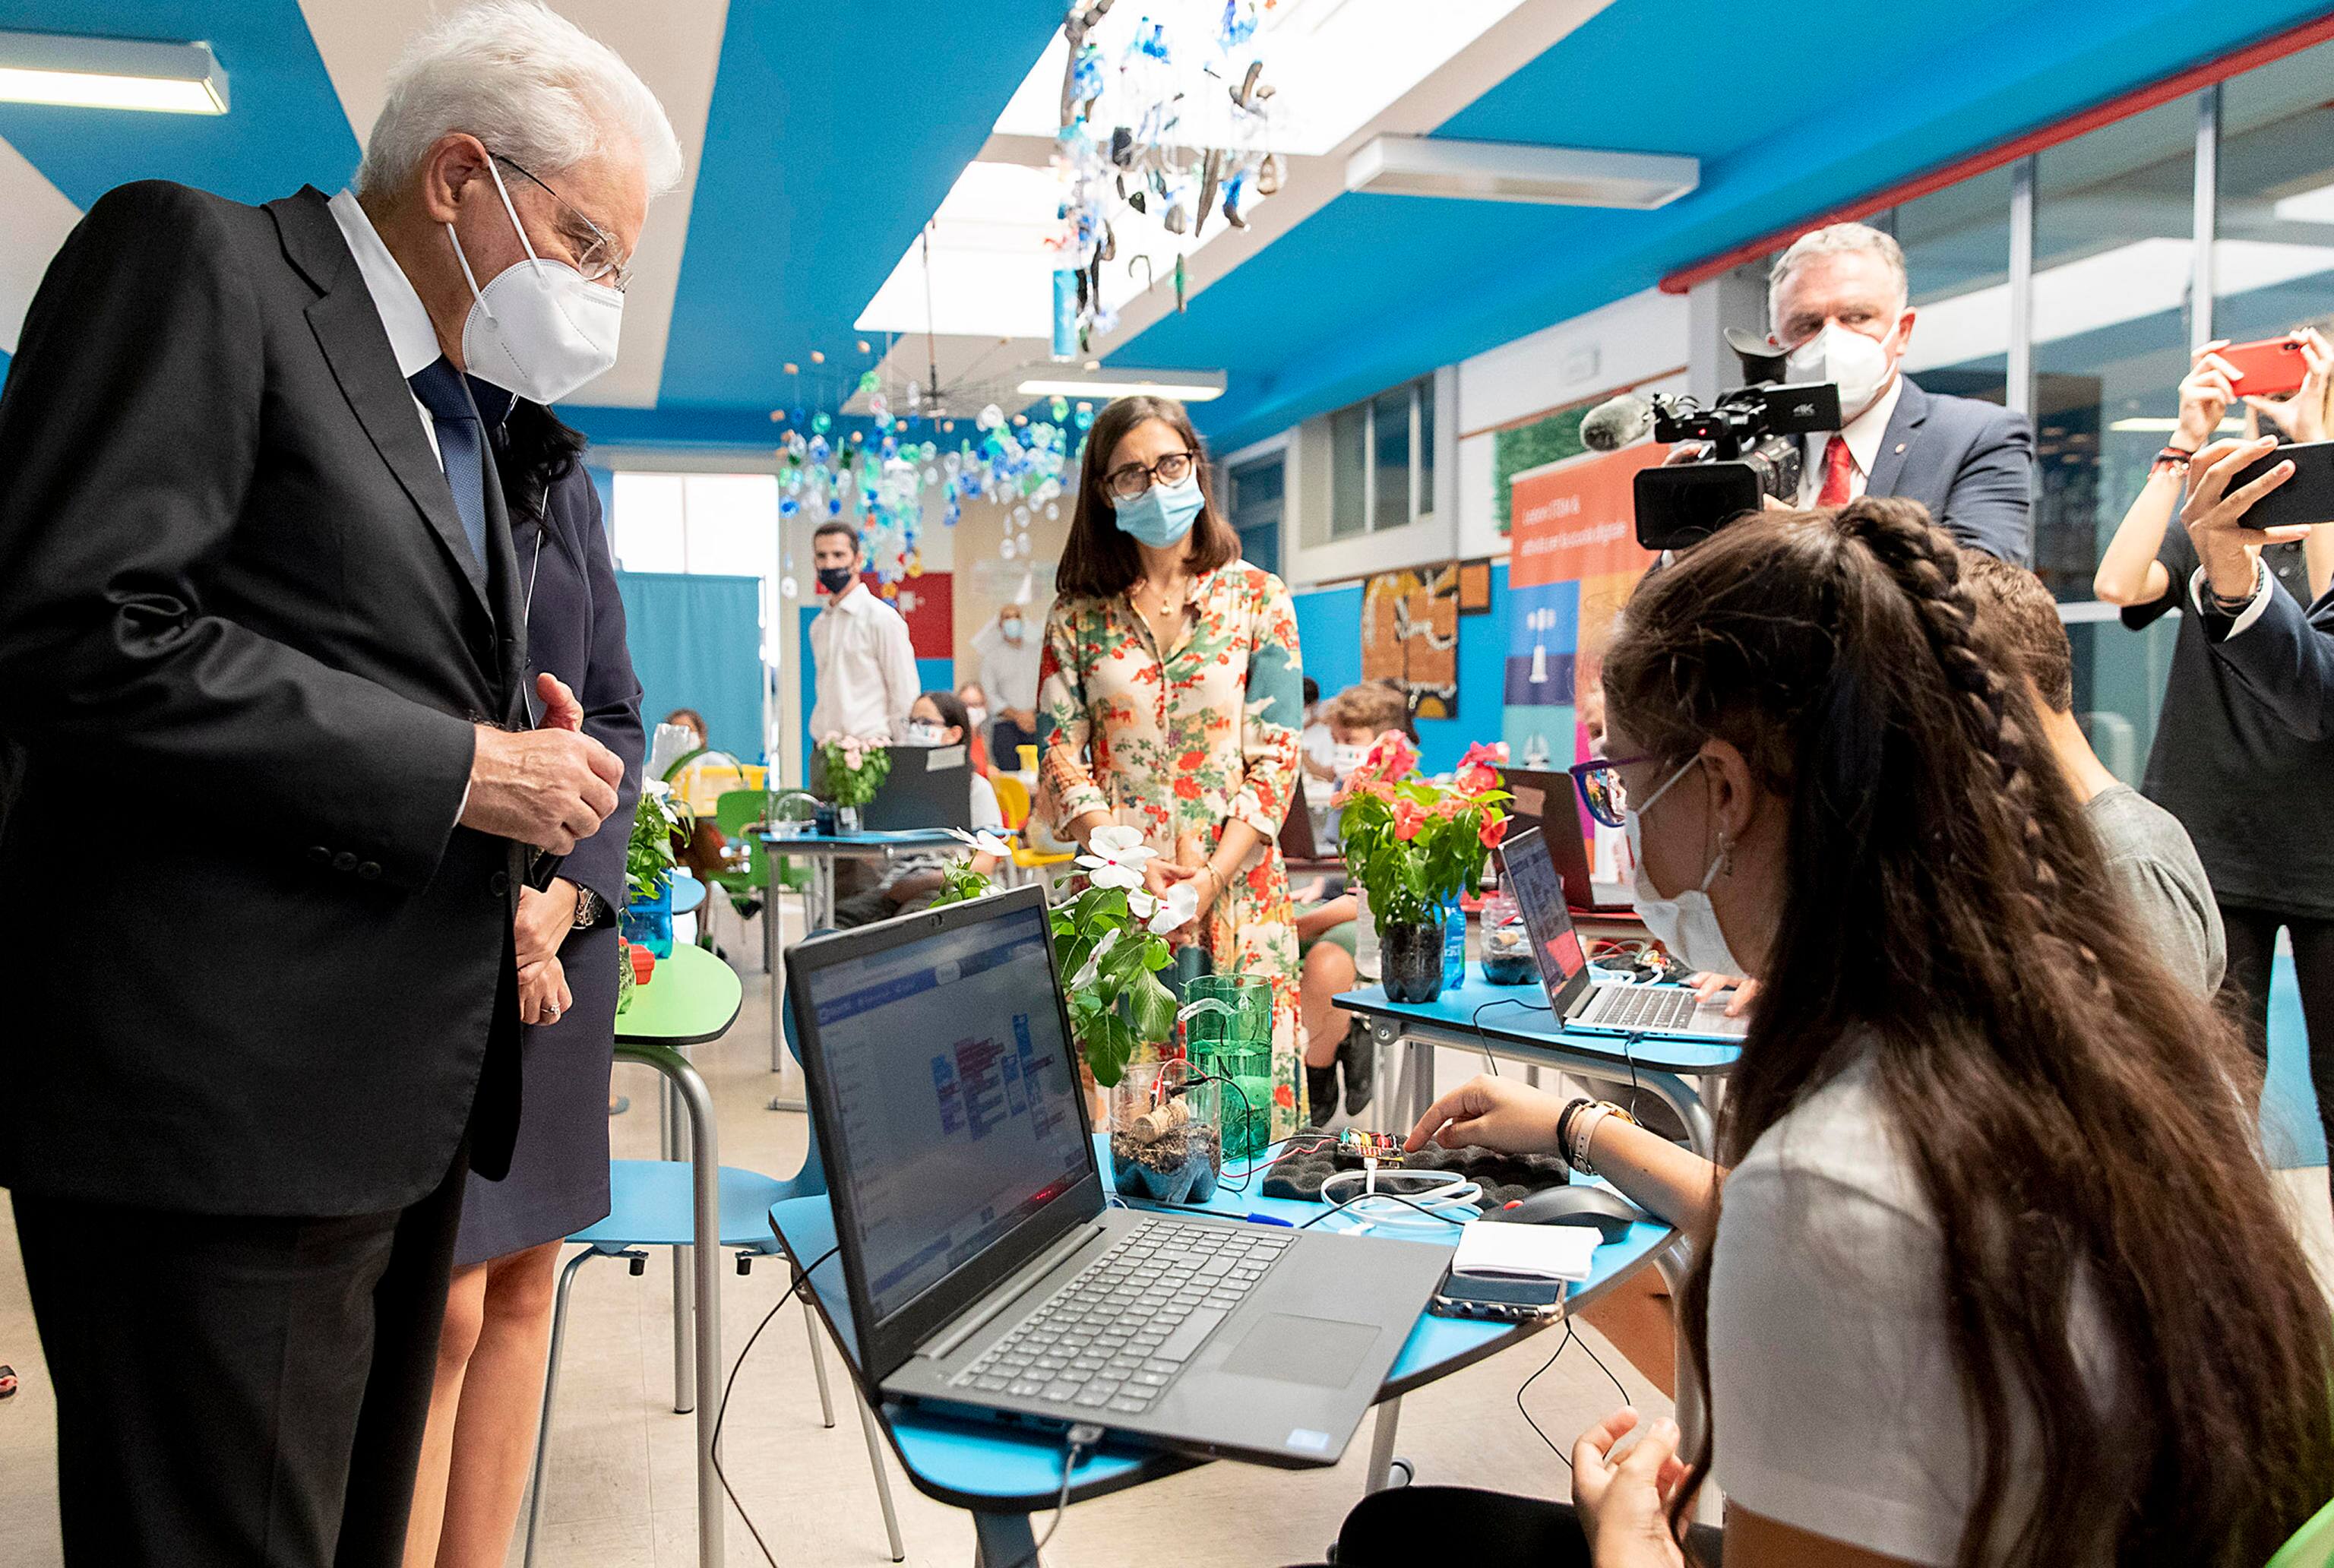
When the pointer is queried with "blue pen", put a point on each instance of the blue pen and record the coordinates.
(1271, 1219)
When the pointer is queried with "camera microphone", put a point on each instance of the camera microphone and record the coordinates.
(1615, 422)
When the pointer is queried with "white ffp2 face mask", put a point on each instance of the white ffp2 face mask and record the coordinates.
(1686, 925)
(1857, 365)
(537, 328)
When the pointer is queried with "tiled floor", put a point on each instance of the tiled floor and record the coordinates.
(621, 1489)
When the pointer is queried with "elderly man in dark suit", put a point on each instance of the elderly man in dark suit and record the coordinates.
(1839, 301)
(261, 614)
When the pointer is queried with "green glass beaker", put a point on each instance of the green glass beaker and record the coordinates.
(1228, 1031)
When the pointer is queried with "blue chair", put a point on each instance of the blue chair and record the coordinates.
(650, 1205)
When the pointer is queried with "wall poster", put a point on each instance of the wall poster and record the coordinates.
(1572, 560)
(1410, 636)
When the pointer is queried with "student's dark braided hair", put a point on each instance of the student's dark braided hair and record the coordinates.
(2075, 1119)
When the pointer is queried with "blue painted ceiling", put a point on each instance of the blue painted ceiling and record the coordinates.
(837, 126)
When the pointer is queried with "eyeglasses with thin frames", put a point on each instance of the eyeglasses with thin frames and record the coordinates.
(597, 260)
(1126, 484)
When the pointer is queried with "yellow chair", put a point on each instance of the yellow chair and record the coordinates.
(1013, 805)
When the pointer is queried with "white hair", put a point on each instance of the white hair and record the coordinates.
(1836, 239)
(529, 83)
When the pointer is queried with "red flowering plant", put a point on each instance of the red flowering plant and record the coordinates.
(1412, 843)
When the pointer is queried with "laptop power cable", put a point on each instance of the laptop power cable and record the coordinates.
(1081, 1439)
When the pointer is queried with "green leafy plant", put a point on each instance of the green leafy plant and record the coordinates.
(1110, 942)
(1413, 844)
(852, 769)
(649, 858)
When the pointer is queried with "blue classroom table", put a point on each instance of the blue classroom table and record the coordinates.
(1002, 1475)
(1514, 1022)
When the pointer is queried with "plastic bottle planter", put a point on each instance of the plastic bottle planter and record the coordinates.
(1166, 1137)
(1410, 959)
(1228, 1029)
(649, 921)
(846, 820)
(1506, 945)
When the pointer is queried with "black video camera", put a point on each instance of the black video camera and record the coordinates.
(1751, 449)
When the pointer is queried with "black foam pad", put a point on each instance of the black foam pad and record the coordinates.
(1313, 1158)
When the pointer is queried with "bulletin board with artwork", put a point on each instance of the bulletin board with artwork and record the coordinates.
(1410, 636)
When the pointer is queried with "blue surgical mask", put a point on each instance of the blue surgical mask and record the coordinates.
(1163, 515)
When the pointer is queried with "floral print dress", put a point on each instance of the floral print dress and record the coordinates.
(1176, 742)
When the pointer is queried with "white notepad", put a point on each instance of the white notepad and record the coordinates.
(1494, 1249)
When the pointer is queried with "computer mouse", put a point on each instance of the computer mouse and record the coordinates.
(1578, 1204)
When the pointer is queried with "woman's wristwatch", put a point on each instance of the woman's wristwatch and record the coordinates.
(589, 910)
(1576, 1129)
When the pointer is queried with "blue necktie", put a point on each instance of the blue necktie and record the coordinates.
(439, 387)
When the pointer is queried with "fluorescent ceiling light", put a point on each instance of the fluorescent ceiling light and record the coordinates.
(111, 73)
(1513, 171)
(2305, 207)
(1188, 386)
(2164, 424)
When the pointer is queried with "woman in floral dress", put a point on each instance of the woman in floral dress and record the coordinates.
(1170, 701)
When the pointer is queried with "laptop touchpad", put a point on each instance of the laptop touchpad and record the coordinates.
(1288, 1349)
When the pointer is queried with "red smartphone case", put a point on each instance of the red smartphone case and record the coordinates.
(2271, 367)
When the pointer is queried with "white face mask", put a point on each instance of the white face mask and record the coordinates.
(977, 715)
(1687, 926)
(924, 732)
(1859, 366)
(1010, 631)
(1344, 759)
(537, 328)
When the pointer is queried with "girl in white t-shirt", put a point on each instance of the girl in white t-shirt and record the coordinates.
(1998, 1276)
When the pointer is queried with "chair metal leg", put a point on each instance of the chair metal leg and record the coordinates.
(818, 1368)
(883, 1481)
(550, 1387)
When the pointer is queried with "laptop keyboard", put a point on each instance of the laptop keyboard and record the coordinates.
(1647, 1007)
(1115, 1338)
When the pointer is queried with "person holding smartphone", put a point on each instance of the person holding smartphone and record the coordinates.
(2221, 751)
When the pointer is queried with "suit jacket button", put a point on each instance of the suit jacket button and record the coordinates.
(318, 855)
(499, 884)
(344, 861)
(368, 870)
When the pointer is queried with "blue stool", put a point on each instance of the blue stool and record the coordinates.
(651, 1205)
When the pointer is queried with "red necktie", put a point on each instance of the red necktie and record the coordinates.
(1838, 463)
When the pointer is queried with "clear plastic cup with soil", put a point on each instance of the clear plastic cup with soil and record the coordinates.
(1166, 1133)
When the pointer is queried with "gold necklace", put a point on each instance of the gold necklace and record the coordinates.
(1166, 600)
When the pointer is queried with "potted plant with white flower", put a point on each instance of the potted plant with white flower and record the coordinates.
(851, 770)
(1110, 942)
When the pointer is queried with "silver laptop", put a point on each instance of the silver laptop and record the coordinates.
(987, 1273)
(1580, 1002)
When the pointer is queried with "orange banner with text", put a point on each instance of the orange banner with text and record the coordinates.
(1576, 520)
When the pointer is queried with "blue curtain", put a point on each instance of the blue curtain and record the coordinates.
(697, 642)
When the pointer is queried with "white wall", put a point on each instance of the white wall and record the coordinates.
(1629, 342)
(1640, 340)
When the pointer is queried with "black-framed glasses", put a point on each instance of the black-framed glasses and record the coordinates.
(1126, 484)
(597, 260)
(1598, 780)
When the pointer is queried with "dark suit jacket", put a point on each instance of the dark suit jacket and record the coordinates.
(1971, 464)
(2286, 659)
(575, 630)
(241, 636)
